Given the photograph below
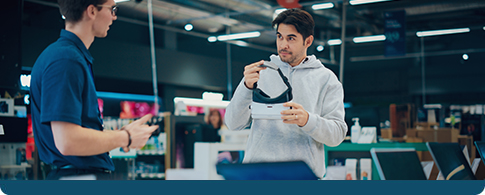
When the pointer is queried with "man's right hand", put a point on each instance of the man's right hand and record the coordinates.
(251, 73)
(140, 132)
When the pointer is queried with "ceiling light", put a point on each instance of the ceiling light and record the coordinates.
(119, 1)
(27, 99)
(235, 36)
(278, 11)
(465, 56)
(322, 6)
(212, 39)
(25, 80)
(332, 42)
(359, 2)
(189, 27)
(366, 39)
(484, 28)
(241, 43)
(441, 32)
(320, 48)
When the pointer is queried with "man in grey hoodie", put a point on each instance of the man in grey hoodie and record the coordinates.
(316, 114)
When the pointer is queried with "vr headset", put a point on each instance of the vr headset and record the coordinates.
(265, 107)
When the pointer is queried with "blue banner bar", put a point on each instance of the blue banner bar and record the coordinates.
(241, 187)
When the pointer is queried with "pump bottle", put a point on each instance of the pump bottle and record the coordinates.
(355, 131)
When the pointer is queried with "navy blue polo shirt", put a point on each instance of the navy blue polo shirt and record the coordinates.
(62, 89)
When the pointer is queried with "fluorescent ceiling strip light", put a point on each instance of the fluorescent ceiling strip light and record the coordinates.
(278, 11)
(322, 6)
(119, 1)
(359, 2)
(245, 35)
(212, 39)
(332, 42)
(366, 39)
(241, 43)
(441, 32)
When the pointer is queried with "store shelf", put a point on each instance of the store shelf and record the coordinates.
(151, 152)
(14, 166)
(149, 175)
(367, 147)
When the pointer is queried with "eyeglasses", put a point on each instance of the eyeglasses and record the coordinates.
(114, 8)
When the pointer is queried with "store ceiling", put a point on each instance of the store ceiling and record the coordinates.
(213, 17)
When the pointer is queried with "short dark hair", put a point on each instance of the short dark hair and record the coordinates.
(73, 10)
(301, 19)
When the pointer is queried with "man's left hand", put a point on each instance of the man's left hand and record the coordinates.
(296, 115)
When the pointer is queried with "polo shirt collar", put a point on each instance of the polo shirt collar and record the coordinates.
(77, 41)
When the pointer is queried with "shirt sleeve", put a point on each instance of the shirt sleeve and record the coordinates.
(330, 128)
(61, 93)
(238, 114)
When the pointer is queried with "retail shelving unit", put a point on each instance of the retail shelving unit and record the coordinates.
(146, 163)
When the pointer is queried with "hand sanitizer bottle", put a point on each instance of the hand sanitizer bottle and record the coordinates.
(355, 131)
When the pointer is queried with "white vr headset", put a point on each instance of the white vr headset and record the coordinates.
(265, 107)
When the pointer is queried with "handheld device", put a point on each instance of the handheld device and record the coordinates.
(265, 107)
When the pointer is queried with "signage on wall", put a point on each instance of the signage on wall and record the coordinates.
(289, 4)
(395, 31)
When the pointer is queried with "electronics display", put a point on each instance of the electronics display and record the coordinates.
(294, 170)
(451, 161)
(397, 164)
(14, 129)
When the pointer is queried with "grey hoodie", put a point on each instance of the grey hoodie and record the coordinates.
(320, 93)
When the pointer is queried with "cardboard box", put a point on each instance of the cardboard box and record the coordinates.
(401, 117)
(386, 133)
(414, 140)
(467, 140)
(433, 135)
(365, 169)
(411, 133)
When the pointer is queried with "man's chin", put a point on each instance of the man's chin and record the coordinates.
(102, 36)
(287, 60)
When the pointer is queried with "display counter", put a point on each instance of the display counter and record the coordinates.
(350, 150)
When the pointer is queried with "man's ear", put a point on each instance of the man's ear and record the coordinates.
(309, 41)
(91, 11)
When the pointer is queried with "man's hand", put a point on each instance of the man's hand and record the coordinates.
(251, 73)
(296, 115)
(140, 132)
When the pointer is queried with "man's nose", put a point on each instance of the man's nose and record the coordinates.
(284, 44)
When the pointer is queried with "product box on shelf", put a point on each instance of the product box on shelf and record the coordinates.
(434, 135)
(351, 167)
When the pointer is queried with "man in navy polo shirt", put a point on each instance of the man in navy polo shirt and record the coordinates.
(67, 124)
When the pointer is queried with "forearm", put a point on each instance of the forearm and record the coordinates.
(74, 140)
(330, 131)
(238, 114)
